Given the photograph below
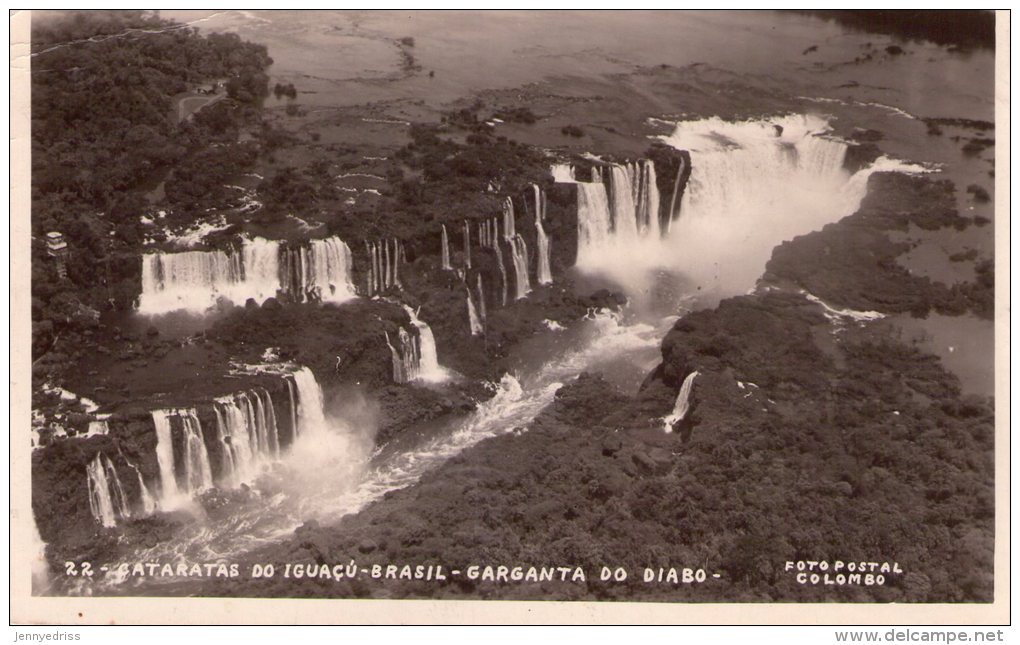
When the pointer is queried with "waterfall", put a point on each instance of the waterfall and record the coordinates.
(467, 244)
(165, 454)
(319, 270)
(292, 395)
(247, 433)
(311, 417)
(618, 212)
(672, 214)
(518, 252)
(384, 258)
(195, 280)
(481, 299)
(494, 242)
(646, 198)
(428, 368)
(407, 358)
(106, 496)
(446, 250)
(593, 222)
(543, 270)
(473, 320)
(563, 173)
(196, 475)
(144, 494)
(682, 405)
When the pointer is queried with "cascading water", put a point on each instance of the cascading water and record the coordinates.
(446, 250)
(518, 252)
(752, 185)
(147, 501)
(481, 300)
(311, 417)
(407, 358)
(563, 173)
(165, 455)
(618, 213)
(682, 405)
(106, 496)
(195, 280)
(318, 270)
(384, 259)
(593, 223)
(247, 431)
(467, 244)
(542, 269)
(330, 475)
(429, 368)
(196, 474)
(474, 321)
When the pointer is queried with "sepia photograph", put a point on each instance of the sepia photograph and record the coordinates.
(639, 310)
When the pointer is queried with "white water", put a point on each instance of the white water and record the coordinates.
(563, 173)
(446, 250)
(683, 403)
(429, 369)
(481, 300)
(518, 252)
(474, 321)
(165, 456)
(106, 496)
(248, 436)
(837, 315)
(148, 502)
(406, 358)
(331, 472)
(311, 419)
(323, 268)
(195, 472)
(384, 259)
(543, 270)
(195, 280)
(751, 187)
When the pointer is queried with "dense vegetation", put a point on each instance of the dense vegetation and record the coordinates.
(105, 129)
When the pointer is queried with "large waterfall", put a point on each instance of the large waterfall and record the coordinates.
(682, 405)
(106, 496)
(184, 475)
(428, 367)
(618, 211)
(752, 185)
(195, 280)
(543, 269)
(247, 432)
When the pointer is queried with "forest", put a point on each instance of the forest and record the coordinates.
(105, 131)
